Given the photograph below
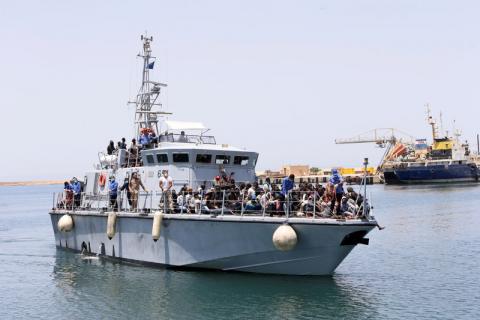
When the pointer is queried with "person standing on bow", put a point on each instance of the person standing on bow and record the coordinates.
(112, 193)
(166, 185)
(288, 183)
(77, 192)
(336, 181)
(134, 188)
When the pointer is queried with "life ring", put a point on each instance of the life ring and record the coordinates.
(102, 180)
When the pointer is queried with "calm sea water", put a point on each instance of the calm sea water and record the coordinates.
(424, 265)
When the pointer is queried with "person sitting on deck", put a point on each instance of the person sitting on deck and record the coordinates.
(251, 192)
(134, 187)
(351, 194)
(347, 207)
(111, 148)
(253, 205)
(267, 186)
(183, 189)
(112, 193)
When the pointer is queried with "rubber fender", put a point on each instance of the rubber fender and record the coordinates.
(65, 224)
(157, 225)
(285, 238)
(111, 222)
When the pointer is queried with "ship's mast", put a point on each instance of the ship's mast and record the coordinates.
(146, 100)
(431, 122)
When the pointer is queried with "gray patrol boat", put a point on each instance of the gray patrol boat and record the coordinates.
(226, 238)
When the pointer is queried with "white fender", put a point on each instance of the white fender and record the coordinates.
(111, 221)
(65, 224)
(284, 238)
(157, 225)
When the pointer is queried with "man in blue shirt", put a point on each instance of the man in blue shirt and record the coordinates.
(112, 193)
(336, 181)
(77, 191)
(288, 184)
(144, 139)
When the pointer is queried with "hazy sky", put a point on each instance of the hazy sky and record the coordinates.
(284, 78)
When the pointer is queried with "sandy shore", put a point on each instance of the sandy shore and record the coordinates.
(30, 183)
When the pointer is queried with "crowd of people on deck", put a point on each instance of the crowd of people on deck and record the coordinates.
(147, 140)
(228, 197)
(224, 195)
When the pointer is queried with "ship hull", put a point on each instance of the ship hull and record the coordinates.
(431, 174)
(229, 243)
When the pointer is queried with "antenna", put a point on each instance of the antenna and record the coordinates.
(441, 123)
(146, 100)
(431, 122)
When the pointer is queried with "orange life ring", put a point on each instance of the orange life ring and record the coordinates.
(102, 180)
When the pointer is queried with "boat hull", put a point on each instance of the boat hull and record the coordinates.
(431, 174)
(230, 243)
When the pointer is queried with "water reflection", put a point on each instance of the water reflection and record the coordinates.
(130, 290)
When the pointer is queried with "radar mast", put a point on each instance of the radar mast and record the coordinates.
(148, 94)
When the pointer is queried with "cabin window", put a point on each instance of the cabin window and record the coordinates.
(180, 157)
(204, 158)
(150, 158)
(240, 160)
(162, 158)
(222, 159)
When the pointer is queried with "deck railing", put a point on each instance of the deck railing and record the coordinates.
(302, 204)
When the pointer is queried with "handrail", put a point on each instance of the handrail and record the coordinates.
(297, 203)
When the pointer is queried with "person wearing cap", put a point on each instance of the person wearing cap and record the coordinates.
(166, 184)
(112, 193)
(336, 181)
(77, 191)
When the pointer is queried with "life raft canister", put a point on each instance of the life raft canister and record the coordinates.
(102, 180)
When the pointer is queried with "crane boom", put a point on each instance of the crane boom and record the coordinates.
(383, 137)
(380, 136)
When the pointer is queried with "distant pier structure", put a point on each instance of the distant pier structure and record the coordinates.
(307, 174)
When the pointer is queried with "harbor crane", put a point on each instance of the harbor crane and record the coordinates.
(383, 138)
